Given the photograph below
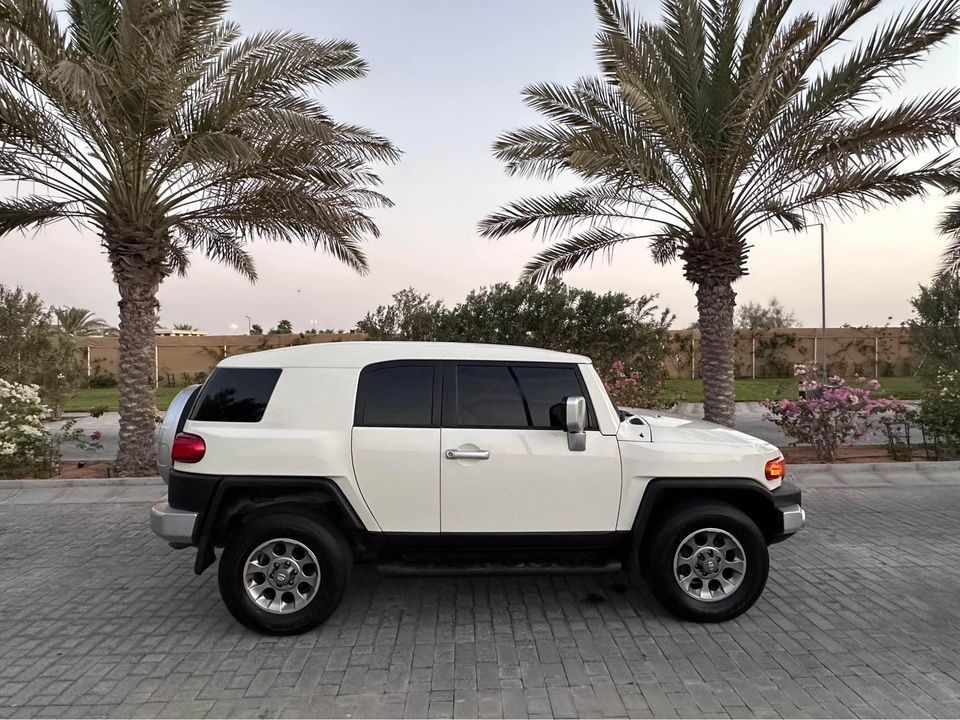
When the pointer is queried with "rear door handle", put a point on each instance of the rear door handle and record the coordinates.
(467, 454)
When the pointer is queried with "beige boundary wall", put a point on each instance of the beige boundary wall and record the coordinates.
(880, 352)
(871, 352)
(183, 360)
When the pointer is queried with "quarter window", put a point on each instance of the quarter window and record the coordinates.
(398, 396)
(236, 395)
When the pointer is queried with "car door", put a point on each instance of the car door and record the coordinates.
(396, 444)
(507, 467)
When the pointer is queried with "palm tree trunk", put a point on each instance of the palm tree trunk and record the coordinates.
(715, 303)
(137, 377)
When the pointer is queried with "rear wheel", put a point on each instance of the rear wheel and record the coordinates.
(284, 574)
(707, 562)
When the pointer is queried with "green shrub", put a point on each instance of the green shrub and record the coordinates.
(940, 414)
(33, 352)
(935, 326)
(608, 327)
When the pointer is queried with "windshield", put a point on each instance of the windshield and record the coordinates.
(602, 396)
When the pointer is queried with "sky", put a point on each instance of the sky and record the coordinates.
(445, 80)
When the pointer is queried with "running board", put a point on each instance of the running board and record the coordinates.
(426, 569)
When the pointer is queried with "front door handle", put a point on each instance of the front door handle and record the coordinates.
(467, 454)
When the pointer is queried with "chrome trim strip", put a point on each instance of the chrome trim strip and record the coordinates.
(172, 524)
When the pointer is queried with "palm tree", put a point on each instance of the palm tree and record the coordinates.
(702, 129)
(155, 124)
(79, 322)
(184, 326)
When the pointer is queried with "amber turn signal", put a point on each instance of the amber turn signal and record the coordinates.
(775, 469)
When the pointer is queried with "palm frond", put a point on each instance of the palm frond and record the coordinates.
(551, 214)
(30, 211)
(94, 28)
(912, 127)
(868, 70)
(222, 247)
(576, 250)
(950, 226)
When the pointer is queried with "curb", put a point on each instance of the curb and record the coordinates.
(875, 475)
(881, 468)
(39, 483)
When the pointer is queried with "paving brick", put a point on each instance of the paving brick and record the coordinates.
(859, 620)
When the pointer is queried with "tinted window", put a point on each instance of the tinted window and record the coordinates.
(545, 390)
(488, 396)
(400, 396)
(236, 395)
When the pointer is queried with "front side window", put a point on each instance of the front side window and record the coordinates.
(488, 396)
(397, 396)
(236, 395)
(546, 389)
(519, 396)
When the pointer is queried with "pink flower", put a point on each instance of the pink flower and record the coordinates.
(96, 435)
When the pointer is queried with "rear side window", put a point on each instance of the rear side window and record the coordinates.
(237, 395)
(488, 396)
(396, 396)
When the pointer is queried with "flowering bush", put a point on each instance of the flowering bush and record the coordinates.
(24, 442)
(832, 414)
(26, 448)
(628, 388)
(940, 412)
(806, 375)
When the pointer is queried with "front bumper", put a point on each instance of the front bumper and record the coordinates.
(791, 516)
(172, 524)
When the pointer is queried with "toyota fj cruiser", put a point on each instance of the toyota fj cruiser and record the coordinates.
(436, 457)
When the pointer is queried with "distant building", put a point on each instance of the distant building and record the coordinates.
(164, 332)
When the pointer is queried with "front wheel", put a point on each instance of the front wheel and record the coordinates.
(708, 562)
(284, 574)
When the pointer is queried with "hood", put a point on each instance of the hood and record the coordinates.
(668, 428)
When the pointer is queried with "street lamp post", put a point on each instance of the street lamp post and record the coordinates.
(823, 303)
(823, 297)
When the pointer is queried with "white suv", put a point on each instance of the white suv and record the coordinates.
(446, 457)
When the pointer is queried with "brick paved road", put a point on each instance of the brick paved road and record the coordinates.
(861, 618)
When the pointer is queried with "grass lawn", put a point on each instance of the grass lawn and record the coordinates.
(678, 390)
(686, 390)
(88, 398)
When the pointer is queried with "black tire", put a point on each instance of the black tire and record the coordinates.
(325, 541)
(661, 548)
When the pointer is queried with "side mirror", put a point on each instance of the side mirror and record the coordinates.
(576, 422)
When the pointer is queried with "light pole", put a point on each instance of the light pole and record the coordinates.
(823, 302)
(823, 297)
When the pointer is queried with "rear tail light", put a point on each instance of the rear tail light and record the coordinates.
(775, 469)
(188, 448)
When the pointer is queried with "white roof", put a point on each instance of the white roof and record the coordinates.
(360, 354)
